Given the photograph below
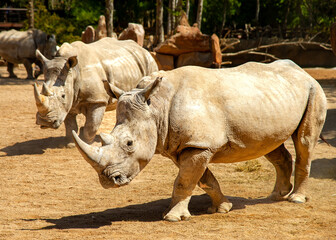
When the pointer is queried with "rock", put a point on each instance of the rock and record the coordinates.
(101, 31)
(164, 62)
(187, 39)
(216, 51)
(202, 59)
(134, 32)
(88, 36)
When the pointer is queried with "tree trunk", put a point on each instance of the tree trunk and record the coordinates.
(159, 36)
(109, 16)
(178, 10)
(187, 8)
(224, 17)
(31, 14)
(257, 13)
(173, 16)
(199, 13)
(169, 17)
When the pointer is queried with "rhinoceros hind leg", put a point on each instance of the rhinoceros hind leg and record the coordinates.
(210, 185)
(10, 69)
(282, 161)
(192, 164)
(28, 65)
(305, 139)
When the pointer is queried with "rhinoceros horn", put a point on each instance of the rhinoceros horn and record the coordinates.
(46, 91)
(41, 101)
(91, 154)
(40, 56)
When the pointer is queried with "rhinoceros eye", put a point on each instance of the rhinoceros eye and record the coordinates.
(129, 143)
(63, 96)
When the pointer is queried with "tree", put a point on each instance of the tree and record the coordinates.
(31, 13)
(159, 33)
(199, 13)
(170, 17)
(109, 16)
(256, 20)
(187, 8)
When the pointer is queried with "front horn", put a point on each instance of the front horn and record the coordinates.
(91, 154)
(41, 101)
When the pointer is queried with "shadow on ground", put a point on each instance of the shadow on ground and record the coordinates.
(37, 146)
(147, 212)
(323, 168)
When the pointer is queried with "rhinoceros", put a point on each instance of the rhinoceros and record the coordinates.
(20, 46)
(197, 116)
(76, 81)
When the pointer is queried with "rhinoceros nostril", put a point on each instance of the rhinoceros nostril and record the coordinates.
(117, 178)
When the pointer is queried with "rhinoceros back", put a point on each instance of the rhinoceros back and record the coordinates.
(123, 63)
(16, 45)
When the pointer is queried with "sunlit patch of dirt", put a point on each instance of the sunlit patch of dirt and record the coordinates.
(48, 192)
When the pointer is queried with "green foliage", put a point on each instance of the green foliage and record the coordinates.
(68, 18)
(51, 23)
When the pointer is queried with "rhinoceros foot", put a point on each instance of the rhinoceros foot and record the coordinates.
(12, 75)
(297, 198)
(224, 207)
(171, 217)
(279, 196)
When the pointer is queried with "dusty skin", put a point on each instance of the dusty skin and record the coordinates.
(52, 193)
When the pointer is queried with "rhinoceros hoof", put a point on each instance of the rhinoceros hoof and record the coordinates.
(70, 145)
(297, 198)
(176, 218)
(278, 196)
(224, 207)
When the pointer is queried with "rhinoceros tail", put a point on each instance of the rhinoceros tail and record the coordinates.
(324, 140)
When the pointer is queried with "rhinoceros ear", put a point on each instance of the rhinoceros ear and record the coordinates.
(113, 90)
(72, 61)
(40, 57)
(150, 89)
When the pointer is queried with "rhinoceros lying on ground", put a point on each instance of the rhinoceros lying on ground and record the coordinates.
(20, 47)
(197, 116)
(74, 82)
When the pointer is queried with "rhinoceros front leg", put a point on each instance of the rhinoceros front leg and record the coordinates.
(70, 123)
(28, 65)
(192, 164)
(94, 116)
(10, 69)
(210, 185)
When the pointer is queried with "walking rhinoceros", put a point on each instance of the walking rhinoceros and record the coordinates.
(76, 81)
(19, 47)
(198, 116)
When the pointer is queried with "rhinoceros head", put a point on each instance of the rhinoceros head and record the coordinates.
(130, 145)
(49, 47)
(56, 98)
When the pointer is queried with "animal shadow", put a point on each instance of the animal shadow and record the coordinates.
(31, 147)
(146, 212)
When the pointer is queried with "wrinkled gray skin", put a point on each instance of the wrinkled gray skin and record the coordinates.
(19, 47)
(77, 80)
(198, 116)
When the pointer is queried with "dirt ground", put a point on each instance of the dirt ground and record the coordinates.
(48, 192)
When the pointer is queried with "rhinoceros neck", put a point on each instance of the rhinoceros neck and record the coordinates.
(160, 105)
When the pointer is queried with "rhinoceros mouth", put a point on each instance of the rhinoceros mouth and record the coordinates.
(119, 179)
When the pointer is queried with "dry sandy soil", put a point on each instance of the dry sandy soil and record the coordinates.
(47, 192)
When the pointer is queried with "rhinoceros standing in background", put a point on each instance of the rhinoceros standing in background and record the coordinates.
(19, 47)
(76, 81)
(197, 116)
